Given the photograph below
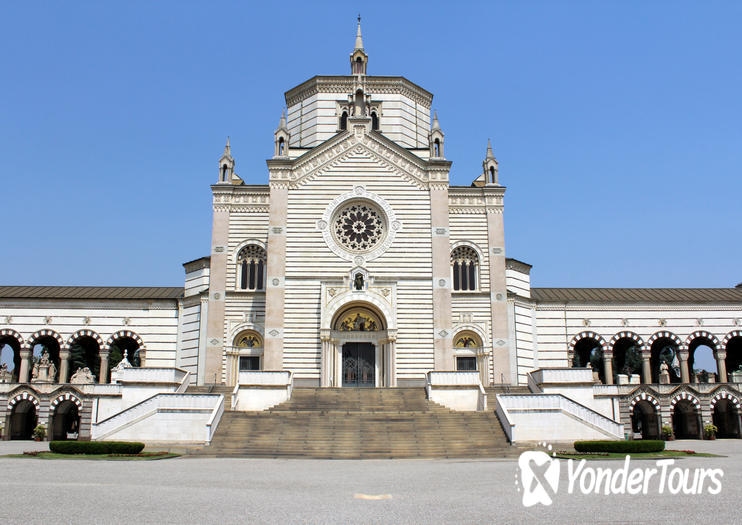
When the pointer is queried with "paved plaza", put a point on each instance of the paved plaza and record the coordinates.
(201, 490)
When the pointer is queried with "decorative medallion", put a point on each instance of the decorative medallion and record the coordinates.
(274, 332)
(321, 225)
(275, 282)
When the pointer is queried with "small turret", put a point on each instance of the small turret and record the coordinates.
(435, 137)
(490, 166)
(282, 137)
(226, 165)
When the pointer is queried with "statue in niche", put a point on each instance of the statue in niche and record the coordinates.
(358, 282)
(5, 374)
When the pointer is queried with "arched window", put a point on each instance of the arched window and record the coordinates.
(280, 146)
(224, 173)
(467, 346)
(437, 148)
(251, 268)
(492, 174)
(465, 268)
(344, 121)
(360, 104)
(358, 66)
(374, 121)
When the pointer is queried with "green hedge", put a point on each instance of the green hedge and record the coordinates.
(640, 445)
(96, 447)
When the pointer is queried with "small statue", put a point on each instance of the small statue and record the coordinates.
(358, 282)
(82, 376)
(35, 371)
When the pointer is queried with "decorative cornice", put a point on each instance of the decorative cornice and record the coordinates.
(347, 84)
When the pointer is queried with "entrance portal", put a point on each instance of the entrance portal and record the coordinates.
(359, 365)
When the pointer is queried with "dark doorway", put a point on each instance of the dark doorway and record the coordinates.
(23, 420)
(644, 420)
(685, 421)
(359, 365)
(65, 422)
(466, 364)
(726, 419)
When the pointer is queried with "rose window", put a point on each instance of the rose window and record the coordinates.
(359, 227)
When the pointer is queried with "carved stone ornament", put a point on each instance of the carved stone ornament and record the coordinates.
(82, 376)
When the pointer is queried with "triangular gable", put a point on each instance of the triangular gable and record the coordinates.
(346, 144)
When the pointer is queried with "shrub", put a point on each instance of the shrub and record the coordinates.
(628, 447)
(96, 447)
(667, 432)
(39, 432)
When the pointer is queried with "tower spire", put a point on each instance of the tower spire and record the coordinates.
(490, 155)
(359, 38)
(435, 125)
(358, 58)
(227, 148)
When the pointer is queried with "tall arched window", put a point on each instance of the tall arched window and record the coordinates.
(465, 268)
(344, 121)
(281, 145)
(492, 175)
(251, 268)
(437, 148)
(374, 121)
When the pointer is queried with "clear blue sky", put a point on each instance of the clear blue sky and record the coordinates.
(617, 125)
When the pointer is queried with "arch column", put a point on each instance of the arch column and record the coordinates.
(25, 365)
(684, 372)
(103, 374)
(721, 365)
(646, 367)
(327, 360)
(336, 361)
(608, 367)
(64, 365)
(390, 357)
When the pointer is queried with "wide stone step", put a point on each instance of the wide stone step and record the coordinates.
(359, 423)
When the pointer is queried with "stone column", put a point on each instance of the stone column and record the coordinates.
(502, 346)
(608, 367)
(646, 367)
(684, 372)
(441, 246)
(25, 365)
(721, 365)
(275, 295)
(336, 360)
(64, 366)
(103, 375)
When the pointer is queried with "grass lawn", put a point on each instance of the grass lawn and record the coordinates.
(636, 455)
(105, 457)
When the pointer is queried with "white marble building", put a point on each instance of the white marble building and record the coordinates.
(357, 264)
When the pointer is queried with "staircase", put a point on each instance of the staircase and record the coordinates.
(492, 392)
(350, 423)
(226, 391)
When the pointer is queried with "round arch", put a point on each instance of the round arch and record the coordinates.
(39, 334)
(703, 334)
(685, 412)
(64, 417)
(731, 335)
(626, 335)
(624, 362)
(85, 333)
(358, 317)
(731, 346)
(644, 396)
(16, 343)
(725, 414)
(586, 335)
(23, 415)
(128, 334)
(656, 356)
(358, 299)
(9, 332)
(664, 334)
